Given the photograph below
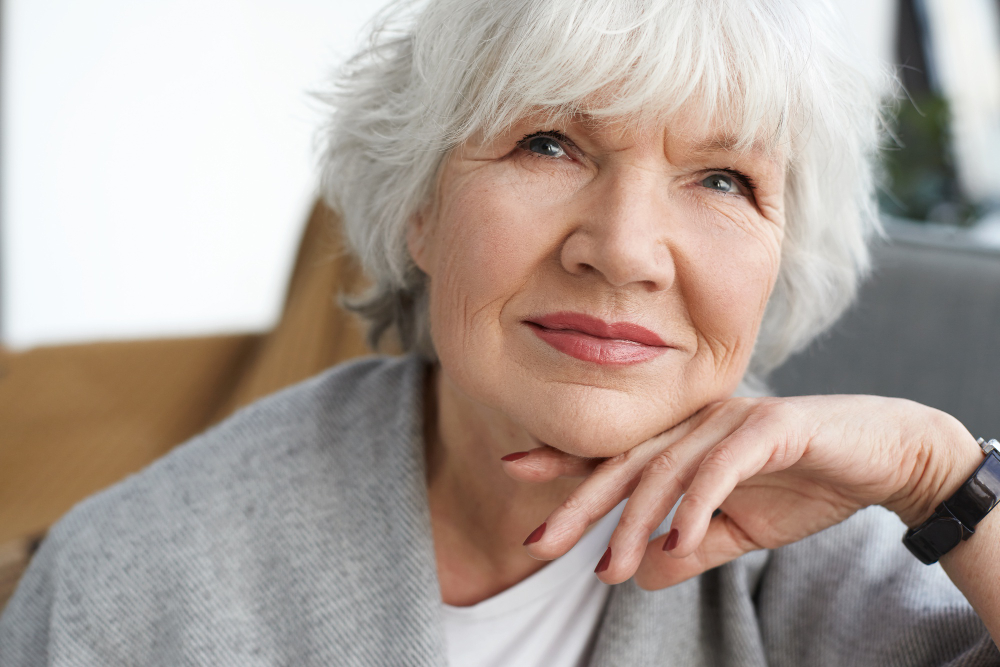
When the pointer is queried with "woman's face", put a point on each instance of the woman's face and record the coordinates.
(596, 285)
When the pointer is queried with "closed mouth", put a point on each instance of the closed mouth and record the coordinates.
(591, 339)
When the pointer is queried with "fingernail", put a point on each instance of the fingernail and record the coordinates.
(716, 513)
(671, 541)
(605, 561)
(536, 535)
(516, 456)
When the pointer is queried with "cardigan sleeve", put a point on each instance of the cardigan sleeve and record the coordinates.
(853, 594)
(47, 621)
(24, 626)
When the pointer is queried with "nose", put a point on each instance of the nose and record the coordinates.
(623, 233)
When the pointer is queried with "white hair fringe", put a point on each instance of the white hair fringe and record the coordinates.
(782, 72)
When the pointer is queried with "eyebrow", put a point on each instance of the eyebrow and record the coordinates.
(730, 143)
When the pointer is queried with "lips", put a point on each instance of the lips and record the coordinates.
(591, 339)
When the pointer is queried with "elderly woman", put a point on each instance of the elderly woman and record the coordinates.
(591, 223)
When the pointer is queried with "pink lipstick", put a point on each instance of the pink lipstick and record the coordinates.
(591, 339)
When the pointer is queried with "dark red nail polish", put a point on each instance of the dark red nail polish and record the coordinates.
(536, 535)
(671, 541)
(605, 561)
(516, 456)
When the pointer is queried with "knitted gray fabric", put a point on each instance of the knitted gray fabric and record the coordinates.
(298, 533)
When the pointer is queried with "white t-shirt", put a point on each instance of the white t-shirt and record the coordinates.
(549, 619)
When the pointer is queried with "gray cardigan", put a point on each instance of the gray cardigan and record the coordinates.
(298, 533)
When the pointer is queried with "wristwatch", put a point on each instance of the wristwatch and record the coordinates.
(955, 519)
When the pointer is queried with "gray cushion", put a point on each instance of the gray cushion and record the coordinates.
(925, 327)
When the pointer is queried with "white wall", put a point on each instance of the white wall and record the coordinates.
(157, 158)
(874, 25)
(966, 48)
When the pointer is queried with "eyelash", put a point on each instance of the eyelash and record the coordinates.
(744, 180)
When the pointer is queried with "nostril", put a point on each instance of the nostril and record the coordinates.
(622, 251)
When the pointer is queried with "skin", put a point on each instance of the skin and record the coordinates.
(673, 229)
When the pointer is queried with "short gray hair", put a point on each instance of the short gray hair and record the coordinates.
(782, 71)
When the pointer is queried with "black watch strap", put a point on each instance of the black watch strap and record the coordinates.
(955, 519)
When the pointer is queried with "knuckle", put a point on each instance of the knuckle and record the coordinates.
(695, 500)
(573, 504)
(721, 458)
(664, 463)
(576, 507)
(771, 409)
(628, 525)
(635, 458)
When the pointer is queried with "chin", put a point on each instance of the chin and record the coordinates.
(597, 422)
(581, 423)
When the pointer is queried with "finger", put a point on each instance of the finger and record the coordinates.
(752, 449)
(544, 464)
(661, 484)
(611, 482)
(724, 541)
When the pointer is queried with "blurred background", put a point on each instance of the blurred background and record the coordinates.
(157, 157)
(157, 161)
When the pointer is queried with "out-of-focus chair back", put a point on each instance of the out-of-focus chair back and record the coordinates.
(77, 418)
(925, 327)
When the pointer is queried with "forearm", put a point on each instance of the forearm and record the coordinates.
(975, 568)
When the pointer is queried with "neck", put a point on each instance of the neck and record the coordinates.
(480, 516)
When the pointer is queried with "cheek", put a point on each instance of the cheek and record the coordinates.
(488, 245)
(728, 274)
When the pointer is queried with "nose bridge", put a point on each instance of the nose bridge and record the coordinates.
(624, 229)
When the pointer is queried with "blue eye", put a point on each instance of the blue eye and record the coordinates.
(547, 146)
(722, 183)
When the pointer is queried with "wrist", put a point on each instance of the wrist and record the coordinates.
(957, 518)
(944, 459)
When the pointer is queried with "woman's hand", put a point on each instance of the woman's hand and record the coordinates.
(779, 469)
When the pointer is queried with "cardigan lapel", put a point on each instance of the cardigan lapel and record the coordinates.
(708, 620)
(383, 604)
